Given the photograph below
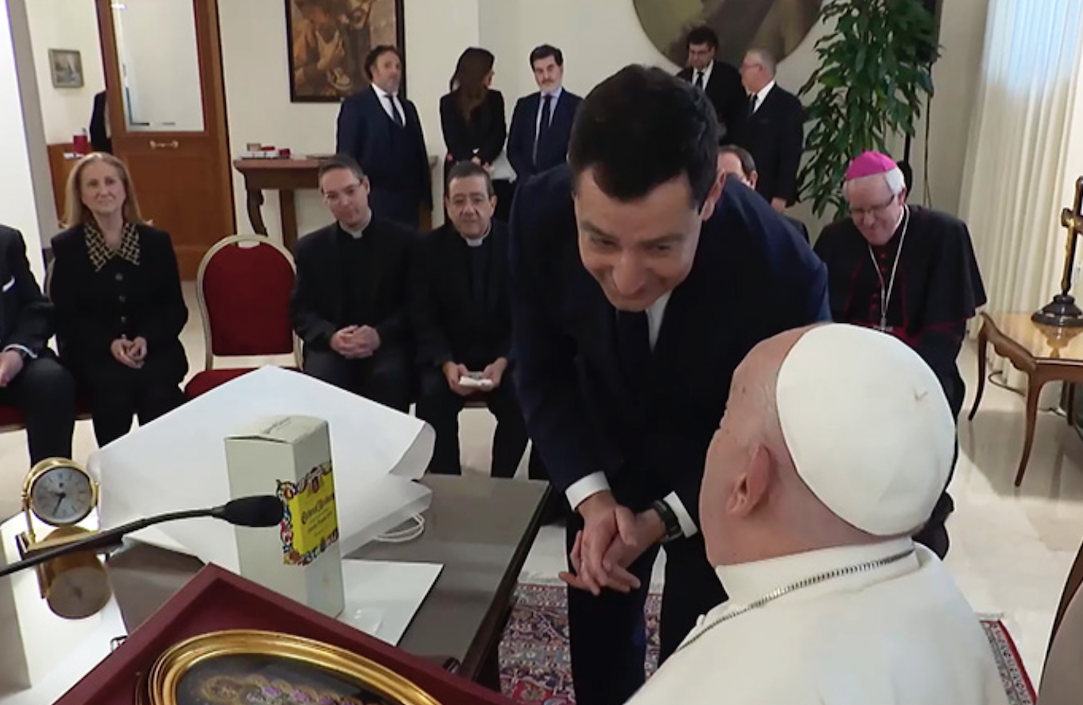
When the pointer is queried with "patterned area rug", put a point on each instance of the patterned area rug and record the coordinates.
(535, 668)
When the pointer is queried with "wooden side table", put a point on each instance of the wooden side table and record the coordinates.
(287, 176)
(1043, 353)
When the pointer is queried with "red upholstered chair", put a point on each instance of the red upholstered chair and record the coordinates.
(244, 285)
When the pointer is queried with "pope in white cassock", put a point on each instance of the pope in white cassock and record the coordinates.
(836, 443)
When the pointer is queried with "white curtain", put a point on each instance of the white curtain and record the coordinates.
(1017, 171)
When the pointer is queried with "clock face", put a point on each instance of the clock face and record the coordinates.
(62, 495)
(76, 593)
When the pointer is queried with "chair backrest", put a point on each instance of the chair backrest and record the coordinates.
(1062, 677)
(244, 286)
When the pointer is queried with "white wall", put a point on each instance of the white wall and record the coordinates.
(955, 76)
(257, 88)
(26, 197)
(66, 24)
(604, 36)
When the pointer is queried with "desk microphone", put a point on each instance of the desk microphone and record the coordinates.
(257, 511)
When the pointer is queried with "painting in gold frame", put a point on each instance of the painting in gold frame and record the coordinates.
(777, 25)
(249, 667)
(328, 43)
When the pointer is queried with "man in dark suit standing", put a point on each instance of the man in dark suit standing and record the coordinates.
(737, 162)
(542, 122)
(772, 130)
(349, 303)
(461, 317)
(717, 79)
(638, 285)
(382, 132)
(30, 377)
(100, 135)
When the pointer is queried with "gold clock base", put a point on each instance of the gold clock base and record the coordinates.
(75, 586)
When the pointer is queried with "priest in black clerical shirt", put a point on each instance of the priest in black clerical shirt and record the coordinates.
(349, 303)
(461, 318)
(908, 271)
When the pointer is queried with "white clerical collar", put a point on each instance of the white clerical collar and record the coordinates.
(356, 234)
(762, 94)
(747, 582)
(381, 93)
(478, 241)
(898, 228)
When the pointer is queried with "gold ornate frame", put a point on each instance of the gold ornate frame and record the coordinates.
(171, 667)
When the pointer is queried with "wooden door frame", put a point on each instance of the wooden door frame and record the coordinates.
(212, 86)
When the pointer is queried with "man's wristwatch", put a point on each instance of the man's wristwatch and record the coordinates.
(669, 518)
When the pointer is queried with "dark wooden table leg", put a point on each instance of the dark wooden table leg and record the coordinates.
(983, 343)
(288, 210)
(489, 673)
(255, 217)
(1034, 390)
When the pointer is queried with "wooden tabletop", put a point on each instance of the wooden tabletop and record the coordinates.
(243, 165)
(1040, 342)
(480, 529)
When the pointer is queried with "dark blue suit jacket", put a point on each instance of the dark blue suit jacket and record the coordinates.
(753, 277)
(554, 150)
(364, 133)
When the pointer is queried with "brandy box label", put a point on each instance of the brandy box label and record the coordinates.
(310, 521)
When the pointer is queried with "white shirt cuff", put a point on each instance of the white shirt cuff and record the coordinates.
(688, 527)
(29, 353)
(585, 488)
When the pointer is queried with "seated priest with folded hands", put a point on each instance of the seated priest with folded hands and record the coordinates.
(808, 524)
(461, 315)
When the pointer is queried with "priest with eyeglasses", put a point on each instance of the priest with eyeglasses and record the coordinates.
(907, 271)
(808, 525)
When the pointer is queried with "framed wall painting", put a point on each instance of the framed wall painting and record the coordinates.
(329, 40)
(776, 25)
(66, 68)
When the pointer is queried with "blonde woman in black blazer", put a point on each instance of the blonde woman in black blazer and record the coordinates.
(119, 306)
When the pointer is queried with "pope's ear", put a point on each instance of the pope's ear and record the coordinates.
(752, 484)
(759, 476)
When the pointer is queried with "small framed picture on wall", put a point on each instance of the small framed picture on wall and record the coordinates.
(328, 43)
(66, 66)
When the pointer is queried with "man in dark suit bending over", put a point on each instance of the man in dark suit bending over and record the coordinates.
(349, 302)
(542, 122)
(640, 279)
(382, 132)
(717, 79)
(31, 379)
(772, 130)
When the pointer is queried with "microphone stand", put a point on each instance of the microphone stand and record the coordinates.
(106, 539)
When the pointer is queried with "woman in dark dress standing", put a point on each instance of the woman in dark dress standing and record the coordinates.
(472, 119)
(119, 306)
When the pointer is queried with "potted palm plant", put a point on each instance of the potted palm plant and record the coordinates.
(875, 70)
